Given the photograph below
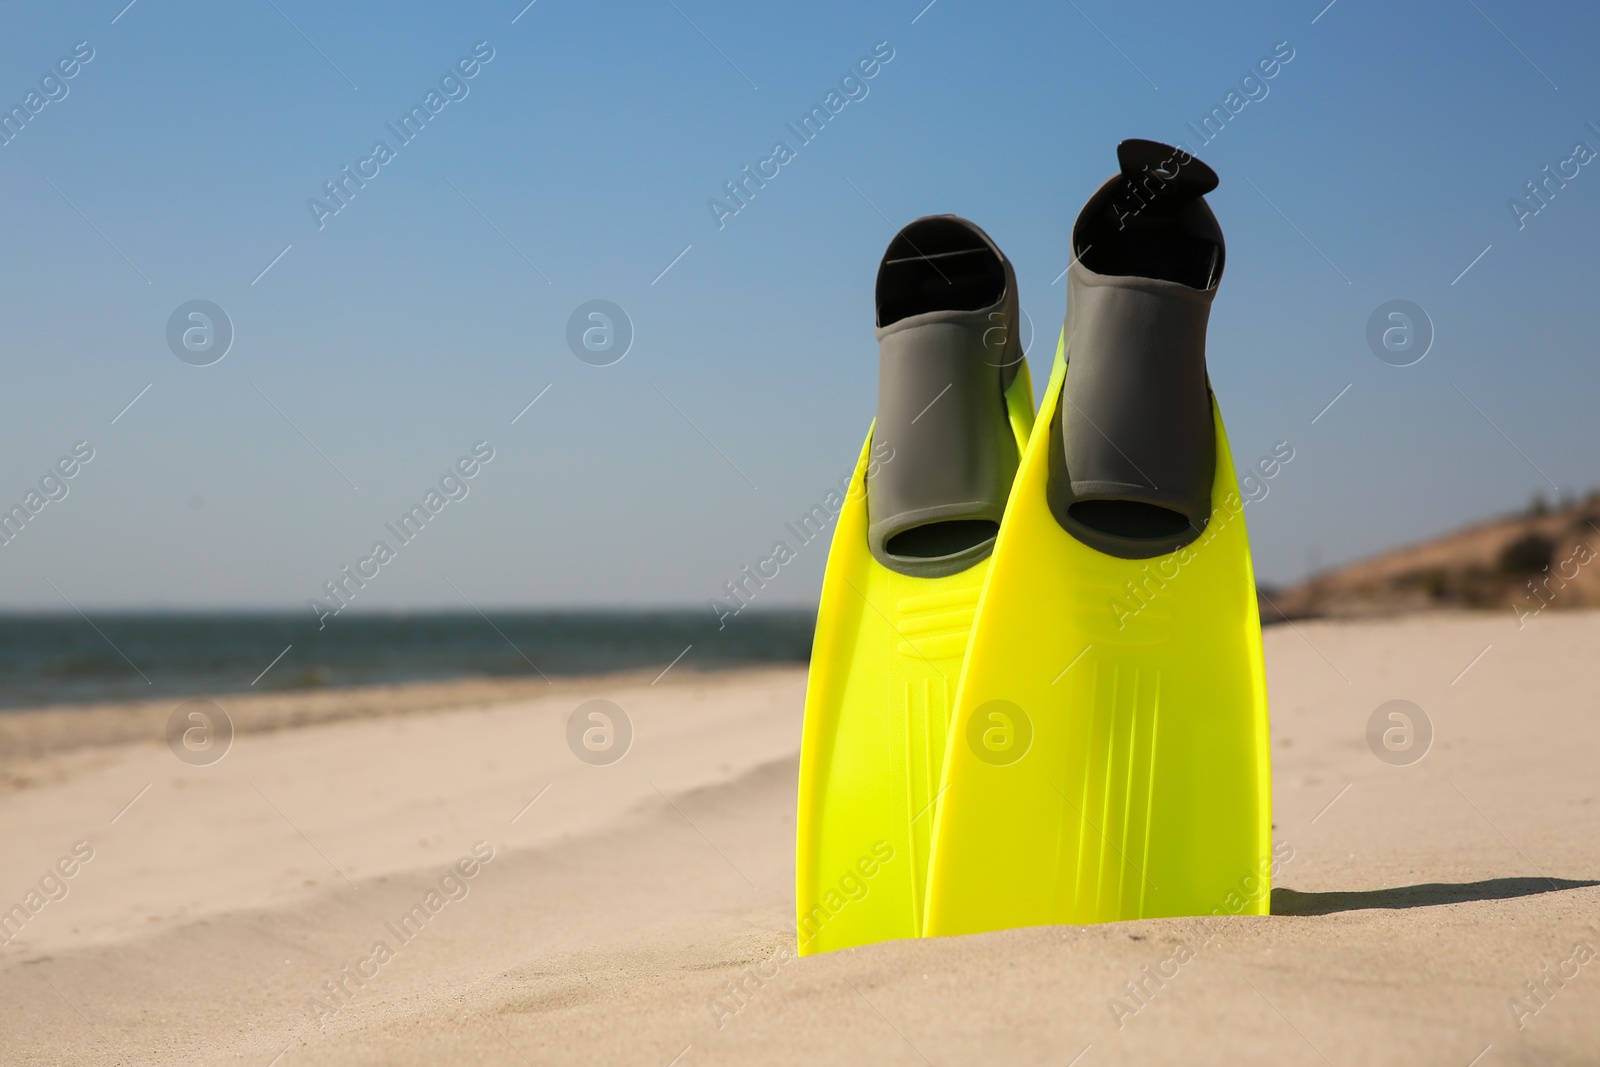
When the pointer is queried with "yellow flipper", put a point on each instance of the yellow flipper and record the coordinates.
(884, 669)
(1108, 757)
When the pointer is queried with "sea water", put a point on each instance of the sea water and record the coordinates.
(55, 659)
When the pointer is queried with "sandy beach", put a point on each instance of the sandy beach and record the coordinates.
(535, 908)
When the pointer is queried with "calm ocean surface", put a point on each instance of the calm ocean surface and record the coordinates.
(55, 659)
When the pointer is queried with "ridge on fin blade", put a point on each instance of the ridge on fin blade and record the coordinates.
(910, 551)
(1109, 751)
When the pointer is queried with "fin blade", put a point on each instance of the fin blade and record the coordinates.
(1145, 791)
(884, 670)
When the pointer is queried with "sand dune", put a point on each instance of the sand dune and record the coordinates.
(638, 912)
(1522, 564)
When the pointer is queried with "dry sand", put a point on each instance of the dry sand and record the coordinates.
(619, 906)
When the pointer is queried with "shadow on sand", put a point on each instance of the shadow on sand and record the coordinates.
(1293, 902)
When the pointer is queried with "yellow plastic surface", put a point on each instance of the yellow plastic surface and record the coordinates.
(884, 668)
(1144, 787)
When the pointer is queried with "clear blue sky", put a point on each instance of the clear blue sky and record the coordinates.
(425, 314)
